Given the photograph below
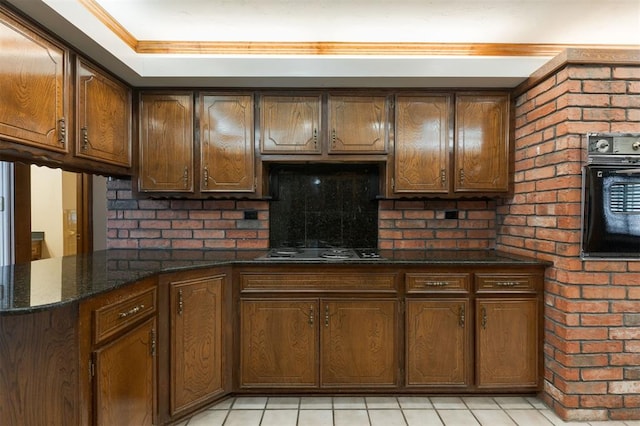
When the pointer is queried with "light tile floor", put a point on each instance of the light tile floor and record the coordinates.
(384, 411)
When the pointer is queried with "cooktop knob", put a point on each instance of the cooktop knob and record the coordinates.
(636, 145)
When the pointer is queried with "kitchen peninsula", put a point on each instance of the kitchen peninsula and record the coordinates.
(206, 324)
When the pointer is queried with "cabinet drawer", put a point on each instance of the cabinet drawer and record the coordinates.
(304, 282)
(437, 283)
(508, 282)
(110, 319)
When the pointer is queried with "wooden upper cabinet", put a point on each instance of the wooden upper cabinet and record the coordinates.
(227, 143)
(290, 124)
(166, 142)
(358, 124)
(34, 87)
(421, 160)
(103, 116)
(481, 147)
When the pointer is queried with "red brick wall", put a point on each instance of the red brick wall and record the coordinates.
(182, 224)
(420, 224)
(195, 224)
(592, 308)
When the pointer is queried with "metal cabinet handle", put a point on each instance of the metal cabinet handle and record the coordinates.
(326, 315)
(436, 283)
(483, 322)
(131, 311)
(315, 137)
(311, 317)
(62, 131)
(461, 316)
(333, 136)
(185, 177)
(506, 283)
(85, 138)
(461, 176)
(180, 303)
(443, 177)
(206, 176)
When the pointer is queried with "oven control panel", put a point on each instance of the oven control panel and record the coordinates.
(613, 147)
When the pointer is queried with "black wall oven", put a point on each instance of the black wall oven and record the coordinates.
(611, 197)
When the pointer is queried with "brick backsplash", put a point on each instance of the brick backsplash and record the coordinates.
(182, 224)
(195, 224)
(421, 224)
(592, 329)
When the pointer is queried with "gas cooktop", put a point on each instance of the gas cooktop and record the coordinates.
(296, 253)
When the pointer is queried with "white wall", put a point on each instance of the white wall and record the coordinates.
(46, 208)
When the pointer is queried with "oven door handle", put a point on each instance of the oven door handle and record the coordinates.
(628, 171)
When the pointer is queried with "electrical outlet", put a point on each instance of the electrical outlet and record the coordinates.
(250, 215)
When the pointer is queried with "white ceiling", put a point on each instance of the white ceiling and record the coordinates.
(561, 22)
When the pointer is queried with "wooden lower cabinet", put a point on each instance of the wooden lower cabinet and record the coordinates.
(507, 343)
(279, 343)
(358, 343)
(438, 339)
(197, 341)
(124, 378)
(310, 343)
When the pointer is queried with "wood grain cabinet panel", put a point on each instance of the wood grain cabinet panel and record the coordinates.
(124, 381)
(507, 343)
(358, 341)
(197, 341)
(421, 160)
(34, 87)
(279, 343)
(103, 116)
(438, 336)
(290, 124)
(227, 143)
(481, 146)
(166, 142)
(358, 124)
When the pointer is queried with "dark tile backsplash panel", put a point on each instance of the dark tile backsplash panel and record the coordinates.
(324, 205)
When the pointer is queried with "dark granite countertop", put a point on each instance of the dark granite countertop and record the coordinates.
(48, 283)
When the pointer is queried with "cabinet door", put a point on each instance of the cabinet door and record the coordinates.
(34, 87)
(166, 142)
(421, 161)
(290, 124)
(358, 124)
(279, 343)
(226, 143)
(196, 341)
(358, 341)
(125, 385)
(482, 148)
(103, 116)
(507, 343)
(437, 342)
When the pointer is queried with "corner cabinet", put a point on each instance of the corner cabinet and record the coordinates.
(35, 88)
(193, 358)
(166, 143)
(227, 143)
(103, 123)
(428, 161)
